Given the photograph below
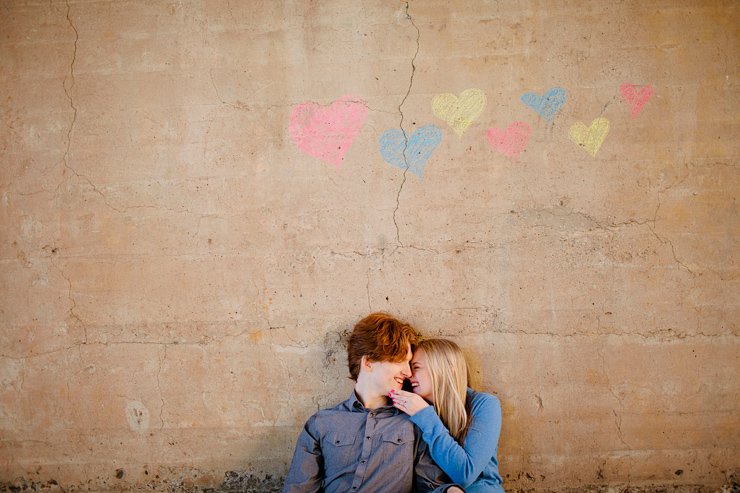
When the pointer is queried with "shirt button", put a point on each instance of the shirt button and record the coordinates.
(368, 437)
(362, 462)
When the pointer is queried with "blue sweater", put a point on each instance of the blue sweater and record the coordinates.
(473, 466)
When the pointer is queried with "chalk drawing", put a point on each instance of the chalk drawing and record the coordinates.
(548, 104)
(137, 416)
(591, 137)
(511, 141)
(411, 153)
(460, 112)
(635, 100)
(327, 133)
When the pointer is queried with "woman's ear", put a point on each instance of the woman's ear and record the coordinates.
(366, 364)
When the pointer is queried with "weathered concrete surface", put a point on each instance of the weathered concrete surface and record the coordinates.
(177, 275)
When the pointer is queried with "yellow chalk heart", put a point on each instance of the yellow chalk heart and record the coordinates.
(591, 137)
(460, 112)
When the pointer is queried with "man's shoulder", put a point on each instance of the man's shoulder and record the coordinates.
(331, 413)
(343, 407)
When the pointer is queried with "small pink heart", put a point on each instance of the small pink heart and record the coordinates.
(635, 100)
(327, 133)
(511, 141)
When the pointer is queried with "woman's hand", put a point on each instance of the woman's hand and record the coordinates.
(407, 402)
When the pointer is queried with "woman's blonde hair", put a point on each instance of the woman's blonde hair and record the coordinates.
(449, 373)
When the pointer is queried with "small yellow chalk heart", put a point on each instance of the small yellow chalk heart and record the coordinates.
(460, 112)
(591, 137)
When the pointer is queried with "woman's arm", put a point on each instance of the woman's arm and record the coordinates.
(463, 464)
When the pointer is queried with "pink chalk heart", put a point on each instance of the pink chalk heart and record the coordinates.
(511, 141)
(635, 100)
(325, 132)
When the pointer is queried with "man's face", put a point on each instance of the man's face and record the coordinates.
(387, 375)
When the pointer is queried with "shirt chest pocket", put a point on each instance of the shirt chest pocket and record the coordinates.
(398, 445)
(339, 449)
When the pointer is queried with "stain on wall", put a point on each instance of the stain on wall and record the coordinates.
(199, 200)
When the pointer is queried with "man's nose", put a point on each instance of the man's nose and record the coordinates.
(406, 371)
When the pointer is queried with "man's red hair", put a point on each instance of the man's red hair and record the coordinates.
(379, 337)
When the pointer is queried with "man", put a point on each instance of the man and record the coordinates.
(365, 444)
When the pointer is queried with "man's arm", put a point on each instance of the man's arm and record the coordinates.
(307, 468)
(428, 477)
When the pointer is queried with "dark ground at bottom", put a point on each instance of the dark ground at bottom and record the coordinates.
(234, 482)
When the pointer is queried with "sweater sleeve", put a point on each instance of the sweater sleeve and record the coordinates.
(463, 464)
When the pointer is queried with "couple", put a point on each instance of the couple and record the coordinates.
(369, 442)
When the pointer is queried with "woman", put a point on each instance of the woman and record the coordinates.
(460, 426)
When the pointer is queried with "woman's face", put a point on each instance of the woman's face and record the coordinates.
(421, 380)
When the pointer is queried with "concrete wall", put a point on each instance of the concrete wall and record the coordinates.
(184, 250)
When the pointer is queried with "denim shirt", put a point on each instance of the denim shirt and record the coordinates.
(350, 448)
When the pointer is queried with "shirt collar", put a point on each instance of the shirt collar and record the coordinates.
(356, 406)
(354, 403)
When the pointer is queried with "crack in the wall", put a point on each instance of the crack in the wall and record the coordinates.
(540, 403)
(96, 343)
(24, 194)
(264, 110)
(608, 380)
(367, 288)
(68, 92)
(198, 216)
(617, 417)
(664, 335)
(286, 368)
(36, 355)
(23, 376)
(606, 105)
(271, 330)
(655, 221)
(668, 242)
(583, 57)
(427, 249)
(405, 136)
(239, 104)
(618, 422)
(231, 12)
(610, 227)
(72, 300)
(159, 388)
(71, 401)
(380, 252)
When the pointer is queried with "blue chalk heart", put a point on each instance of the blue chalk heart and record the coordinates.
(547, 105)
(411, 154)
